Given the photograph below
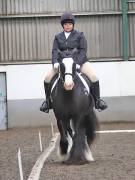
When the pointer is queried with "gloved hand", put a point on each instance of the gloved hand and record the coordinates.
(56, 66)
(78, 66)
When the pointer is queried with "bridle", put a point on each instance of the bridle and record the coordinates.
(70, 54)
(71, 74)
(62, 75)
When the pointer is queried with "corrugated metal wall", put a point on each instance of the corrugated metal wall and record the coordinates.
(27, 28)
(56, 6)
(131, 6)
(132, 36)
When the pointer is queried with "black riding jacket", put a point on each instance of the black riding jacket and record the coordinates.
(75, 40)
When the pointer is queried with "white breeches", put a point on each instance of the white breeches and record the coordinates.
(85, 68)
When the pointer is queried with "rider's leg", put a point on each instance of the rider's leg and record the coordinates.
(46, 105)
(99, 103)
(95, 90)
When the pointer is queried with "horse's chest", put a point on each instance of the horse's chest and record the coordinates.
(64, 100)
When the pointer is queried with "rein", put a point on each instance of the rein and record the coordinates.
(62, 70)
(71, 74)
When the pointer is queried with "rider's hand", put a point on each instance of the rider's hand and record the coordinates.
(78, 66)
(56, 66)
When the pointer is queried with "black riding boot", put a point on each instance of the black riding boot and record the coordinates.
(46, 105)
(99, 103)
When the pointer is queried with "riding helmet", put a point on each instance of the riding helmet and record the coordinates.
(67, 17)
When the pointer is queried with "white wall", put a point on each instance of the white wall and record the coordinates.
(117, 78)
(26, 81)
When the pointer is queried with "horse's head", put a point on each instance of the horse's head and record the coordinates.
(67, 68)
(67, 72)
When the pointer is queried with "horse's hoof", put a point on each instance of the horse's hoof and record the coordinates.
(62, 157)
(88, 156)
(81, 162)
(68, 162)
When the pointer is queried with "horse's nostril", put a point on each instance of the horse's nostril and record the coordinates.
(68, 86)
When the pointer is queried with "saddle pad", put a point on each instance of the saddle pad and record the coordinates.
(54, 83)
(84, 82)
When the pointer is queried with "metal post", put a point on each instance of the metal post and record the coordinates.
(125, 29)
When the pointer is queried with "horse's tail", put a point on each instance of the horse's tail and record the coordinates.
(91, 125)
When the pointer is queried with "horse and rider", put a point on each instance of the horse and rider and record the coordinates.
(72, 90)
(66, 41)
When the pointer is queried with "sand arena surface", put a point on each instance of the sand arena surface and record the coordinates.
(114, 155)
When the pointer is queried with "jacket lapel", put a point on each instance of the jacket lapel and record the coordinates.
(63, 36)
(71, 34)
(69, 37)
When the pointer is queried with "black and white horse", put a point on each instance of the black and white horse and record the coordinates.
(74, 110)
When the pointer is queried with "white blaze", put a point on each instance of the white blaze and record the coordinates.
(68, 62)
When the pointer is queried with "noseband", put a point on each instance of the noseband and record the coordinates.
(68, 74)
(62, 76)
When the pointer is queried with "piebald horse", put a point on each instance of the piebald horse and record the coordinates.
(73, 107)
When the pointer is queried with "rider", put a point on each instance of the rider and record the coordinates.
(67, 41)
